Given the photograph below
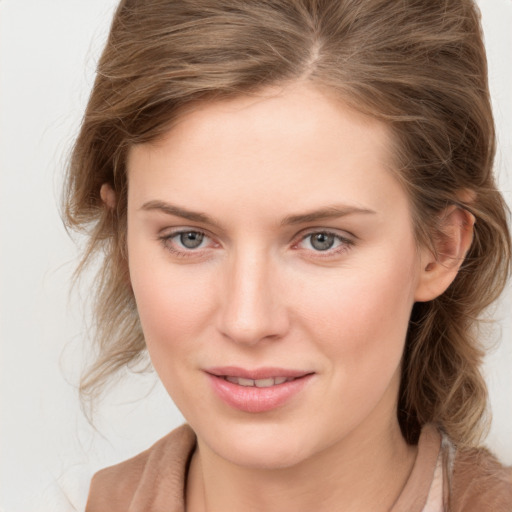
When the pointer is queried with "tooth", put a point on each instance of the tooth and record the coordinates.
(245, 382)
(264, 383)
(259, 383)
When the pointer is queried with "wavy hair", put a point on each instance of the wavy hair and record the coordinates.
(419, 67)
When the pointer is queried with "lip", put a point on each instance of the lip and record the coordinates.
(252, 399)
(257, 373)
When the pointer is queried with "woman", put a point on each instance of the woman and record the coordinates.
(298, 217)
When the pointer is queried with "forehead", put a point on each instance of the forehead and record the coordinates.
(303, 110)
(292, 145)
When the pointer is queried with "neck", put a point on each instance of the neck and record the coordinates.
(364, 472)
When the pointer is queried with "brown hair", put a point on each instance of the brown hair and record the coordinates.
(418, 66)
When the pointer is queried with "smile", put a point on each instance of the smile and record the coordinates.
(259, 383)
(257, 391)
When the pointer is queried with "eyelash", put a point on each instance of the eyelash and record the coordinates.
(344, 243)
(166, 241)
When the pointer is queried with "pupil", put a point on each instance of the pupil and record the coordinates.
(322, 241)
(191, 240)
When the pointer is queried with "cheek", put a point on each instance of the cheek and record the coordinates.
(362, 338)
(360, 321)
(171, 307)
(171, 300)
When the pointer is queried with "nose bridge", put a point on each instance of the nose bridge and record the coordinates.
(250, 307)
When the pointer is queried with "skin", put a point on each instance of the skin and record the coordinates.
(256, 292)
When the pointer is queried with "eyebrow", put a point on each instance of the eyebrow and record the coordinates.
(329, 212)
(178, 211)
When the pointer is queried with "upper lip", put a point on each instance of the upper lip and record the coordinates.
(257, 373)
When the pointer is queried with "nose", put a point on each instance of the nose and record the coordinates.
(251, 306)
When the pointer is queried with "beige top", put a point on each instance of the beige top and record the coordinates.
(154, 480)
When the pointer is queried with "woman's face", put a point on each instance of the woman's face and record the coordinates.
(268, 241)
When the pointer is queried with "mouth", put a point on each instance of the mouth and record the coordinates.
(260, 377)
(259, 383)
(259, 390)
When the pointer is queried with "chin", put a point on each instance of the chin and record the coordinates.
(264, 455)
(259, 446)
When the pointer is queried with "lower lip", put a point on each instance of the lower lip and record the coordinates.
(253, 399)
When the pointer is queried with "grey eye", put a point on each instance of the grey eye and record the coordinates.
(322, 241)
(191, 239)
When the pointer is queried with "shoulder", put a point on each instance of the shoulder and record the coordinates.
(157, 473)
(480, 483)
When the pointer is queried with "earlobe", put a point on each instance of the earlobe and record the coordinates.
(439, 269)
(108, 196)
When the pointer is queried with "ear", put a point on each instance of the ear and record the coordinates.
(108, 196)
(438, 270)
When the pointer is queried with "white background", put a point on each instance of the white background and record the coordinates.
(48, 53)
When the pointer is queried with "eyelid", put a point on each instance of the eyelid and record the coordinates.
(346, 241)
(342, 234)
(167, 234)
